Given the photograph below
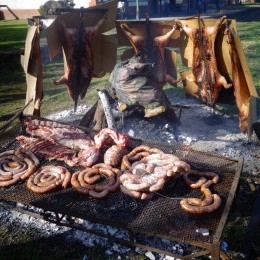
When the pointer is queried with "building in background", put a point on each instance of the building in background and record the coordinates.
(14, 9)
(127, 9)
(167, 8)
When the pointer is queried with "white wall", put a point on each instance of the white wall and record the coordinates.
(35, 4)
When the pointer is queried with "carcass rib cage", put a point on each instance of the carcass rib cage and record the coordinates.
(161, 216)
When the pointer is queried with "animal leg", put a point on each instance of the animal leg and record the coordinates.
(164, 39)
(135, 40)
(221, 81)
(213, 30)
(171, 80)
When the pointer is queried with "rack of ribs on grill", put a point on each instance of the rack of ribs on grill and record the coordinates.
(55, 141)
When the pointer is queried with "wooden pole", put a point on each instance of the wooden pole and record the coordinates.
(107, 109)
(137, 10)
(20, 111)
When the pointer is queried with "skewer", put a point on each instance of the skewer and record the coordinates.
(20, 111)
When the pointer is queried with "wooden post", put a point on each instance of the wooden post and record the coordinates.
(107, 109)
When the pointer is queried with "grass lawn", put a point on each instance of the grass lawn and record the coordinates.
(12, 34)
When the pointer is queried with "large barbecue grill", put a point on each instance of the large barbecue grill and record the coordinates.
(159, 217)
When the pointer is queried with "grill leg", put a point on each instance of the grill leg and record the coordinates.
(215, 251)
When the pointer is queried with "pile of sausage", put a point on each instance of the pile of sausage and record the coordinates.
(60, 142)
(138, 173)
(147, 170)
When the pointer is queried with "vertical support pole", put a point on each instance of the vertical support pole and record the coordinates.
(137, 10)
(215, 251)
(78, 60)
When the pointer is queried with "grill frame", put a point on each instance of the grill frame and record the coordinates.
(117, 206)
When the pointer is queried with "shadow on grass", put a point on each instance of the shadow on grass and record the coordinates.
(11, 97)
(52, 247)
(11, 70)
(251, 14)
(12, 37)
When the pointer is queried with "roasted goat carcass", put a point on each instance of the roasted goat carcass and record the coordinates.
(152, 50)
(79, 63)
(204, 65)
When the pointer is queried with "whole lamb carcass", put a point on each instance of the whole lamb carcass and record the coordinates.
(151, 50)
(79, 57)
(204, 65)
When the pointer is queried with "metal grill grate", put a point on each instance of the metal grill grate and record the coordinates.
(161, 216)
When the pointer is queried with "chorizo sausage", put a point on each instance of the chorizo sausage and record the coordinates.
(16, 165)
(197, 184)
(192, 209)
(87, 182)
(48, 178)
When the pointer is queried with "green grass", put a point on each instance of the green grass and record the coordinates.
(250, 37)
(12, 34)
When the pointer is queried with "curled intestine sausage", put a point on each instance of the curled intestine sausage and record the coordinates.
(137, 185)
(75, 183)
(89, 177)
(16, 165)
(90, 182)
(164, 159)
(208, 199)
(194, 209)
(146, 170)
(102, 165)
(136, 194)
(204, 176)
(49, 178)
(137, 154)
(210, 203)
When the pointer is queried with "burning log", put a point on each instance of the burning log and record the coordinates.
(204, 66)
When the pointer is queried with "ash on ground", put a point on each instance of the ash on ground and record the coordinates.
(200, 127)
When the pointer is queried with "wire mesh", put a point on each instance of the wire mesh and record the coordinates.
(160, 216)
